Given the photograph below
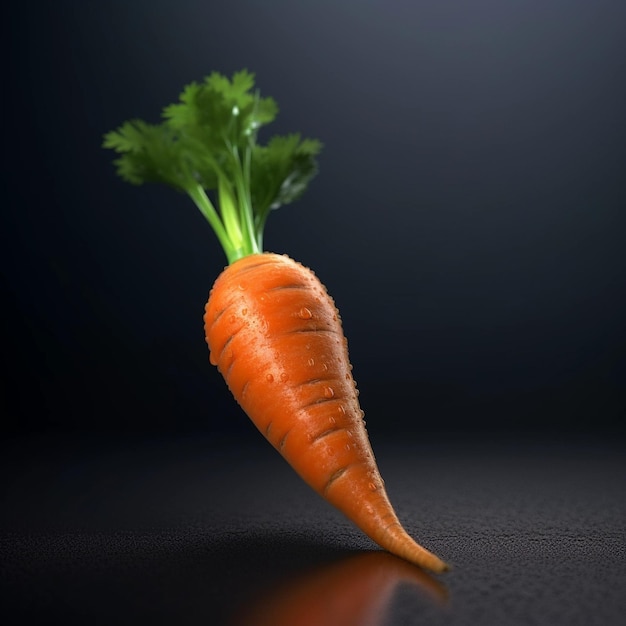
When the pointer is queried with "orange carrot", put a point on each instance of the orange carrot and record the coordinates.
(275, 335)
(272, 329)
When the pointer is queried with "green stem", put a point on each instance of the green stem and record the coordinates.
(260, 229)
(202, 201)
(228, 211)
(245, 201)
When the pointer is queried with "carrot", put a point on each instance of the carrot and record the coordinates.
(272, 329)
(275, 335)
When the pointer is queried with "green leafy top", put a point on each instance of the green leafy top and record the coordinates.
(206, 145)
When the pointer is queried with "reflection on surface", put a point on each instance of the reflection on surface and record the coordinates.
(356, 590)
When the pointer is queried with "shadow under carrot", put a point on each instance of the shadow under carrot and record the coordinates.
(356, 590)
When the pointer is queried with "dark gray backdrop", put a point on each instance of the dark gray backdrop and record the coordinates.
(468, 217)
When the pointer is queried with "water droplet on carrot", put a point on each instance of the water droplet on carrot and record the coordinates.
(244, 311)
(328, 392)
(311, 362)
(372, 487)
(241, 287)
(305, 314)
(284, 377)
(348, 447)
(325, 367)
(341, 409)
(269, 378)
(332, 421)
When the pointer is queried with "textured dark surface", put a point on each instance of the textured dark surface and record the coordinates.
(190, 531)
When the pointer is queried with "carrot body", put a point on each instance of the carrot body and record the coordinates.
(276, 336)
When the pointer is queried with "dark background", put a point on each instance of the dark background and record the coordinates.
(468, 217)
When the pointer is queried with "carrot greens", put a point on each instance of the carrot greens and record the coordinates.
(206, 146)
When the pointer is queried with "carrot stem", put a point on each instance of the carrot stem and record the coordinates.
(203, 202)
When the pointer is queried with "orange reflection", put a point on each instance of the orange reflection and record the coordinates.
(354, 591)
